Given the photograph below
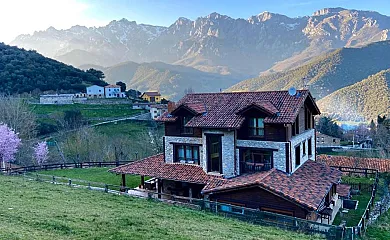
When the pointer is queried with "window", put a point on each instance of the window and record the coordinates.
(297, 156)
(256, 127)
(304, 148)
(187, 154)
(309, 147)
(100, 90)
(334, 140)
(184, 129)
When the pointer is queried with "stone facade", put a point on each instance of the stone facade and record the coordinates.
(56, 99)
(231, 153)
(170, 141)
(324, 140)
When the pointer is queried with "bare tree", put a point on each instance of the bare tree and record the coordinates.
(16, 113)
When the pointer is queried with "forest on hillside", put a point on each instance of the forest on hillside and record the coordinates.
(23, 71)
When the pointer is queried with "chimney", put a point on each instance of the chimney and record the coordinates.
(171, 106)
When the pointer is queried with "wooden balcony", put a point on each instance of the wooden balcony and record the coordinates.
(249, 167)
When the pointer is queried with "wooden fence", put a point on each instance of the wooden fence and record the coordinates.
(253, 216)
(33, 168)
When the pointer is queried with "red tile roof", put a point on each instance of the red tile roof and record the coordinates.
(343, 190)
(307, 186)
(152, 94)
(166, 117)
(266, 106)
(382, 165)
(155, 166)
(221, 108)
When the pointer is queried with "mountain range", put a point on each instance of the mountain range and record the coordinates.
(333, 51)
(214, 43)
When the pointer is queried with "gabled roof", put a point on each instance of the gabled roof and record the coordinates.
(112, 86)
(221, 110)
(265, 106)
(307, 186)
(155, 166)
(382, 165)
(151, 94)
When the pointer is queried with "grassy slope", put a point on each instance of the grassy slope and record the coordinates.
(380, 230)
(327, 73)
(33, 210)
(99, 175)
(87, 110)
(367, 98)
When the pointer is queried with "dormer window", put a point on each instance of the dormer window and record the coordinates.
(184, 129)
(256, 127)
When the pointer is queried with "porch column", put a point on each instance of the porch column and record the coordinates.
(123, 185)
(159, 183)
(142, 182)
(190, 194)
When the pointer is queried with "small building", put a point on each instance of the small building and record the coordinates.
(145, 106)
(113, 91)
(153, 97)
(324, 140)
(95, 91)
(56, 99)
(157, 110)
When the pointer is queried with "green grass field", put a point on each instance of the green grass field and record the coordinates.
(98, 175)
(379, 230)
(88, 110)
(36, 210)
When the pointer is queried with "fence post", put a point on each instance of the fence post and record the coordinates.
(54, 179)
(89, 186)
(106, 188)
(70, 182)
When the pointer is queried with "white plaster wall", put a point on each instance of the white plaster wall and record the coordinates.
(95, 90)
(299, 140)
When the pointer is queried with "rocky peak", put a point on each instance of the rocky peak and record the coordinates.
(326, 11)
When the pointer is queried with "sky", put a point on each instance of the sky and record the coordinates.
(26, 16)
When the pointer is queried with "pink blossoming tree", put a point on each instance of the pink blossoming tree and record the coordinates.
(9, 144)
(41, 153)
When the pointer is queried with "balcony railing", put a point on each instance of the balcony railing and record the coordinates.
(248, 167)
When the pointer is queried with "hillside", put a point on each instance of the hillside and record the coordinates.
(25, 71)
(214, 43)
(361, 101)
(170, 80)
(327, 73)
(36, 210)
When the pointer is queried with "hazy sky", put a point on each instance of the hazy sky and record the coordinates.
(26, 16)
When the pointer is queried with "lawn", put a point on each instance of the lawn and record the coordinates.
(353, 216)
(379, 230)
(88, 110)
(98, 175)
(37, 210)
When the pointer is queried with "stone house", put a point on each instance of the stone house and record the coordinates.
(252, 149)
(324, 140)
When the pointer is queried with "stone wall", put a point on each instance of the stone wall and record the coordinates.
(228, 151)
(169, 141)
(279, 157)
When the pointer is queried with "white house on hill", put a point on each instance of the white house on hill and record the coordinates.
(95, 91)
(113, 91)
